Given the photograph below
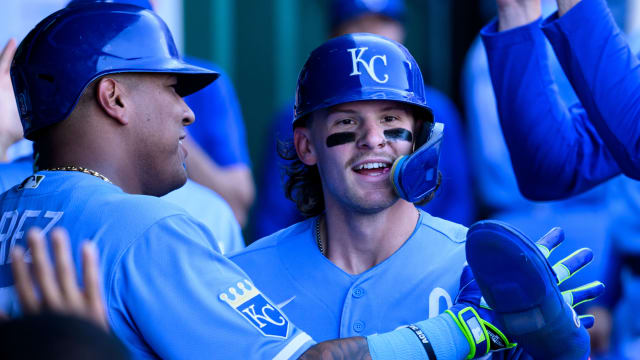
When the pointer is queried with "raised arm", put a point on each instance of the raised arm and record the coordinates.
(555, 150)
(604, 72)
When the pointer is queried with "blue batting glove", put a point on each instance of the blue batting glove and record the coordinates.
(521, 286)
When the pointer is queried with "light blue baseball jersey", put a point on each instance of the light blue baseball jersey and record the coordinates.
(169, 293)
(420, 280)
(212, 210)
(200, 202)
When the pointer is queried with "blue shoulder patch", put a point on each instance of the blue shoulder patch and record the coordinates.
(249, 302)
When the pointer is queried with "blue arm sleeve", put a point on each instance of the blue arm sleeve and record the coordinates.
(219, 127)
(554, 149)
(605, 74)
(174, 296)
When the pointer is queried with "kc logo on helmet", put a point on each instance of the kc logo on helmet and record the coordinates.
(247, 300)
(356, 59)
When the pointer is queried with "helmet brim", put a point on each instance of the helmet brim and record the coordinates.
(191, 78)
(423, 112)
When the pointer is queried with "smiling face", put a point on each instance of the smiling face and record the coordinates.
(354, 145)
(160, 116)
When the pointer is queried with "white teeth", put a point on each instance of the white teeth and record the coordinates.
(180, 142)
(377, 165)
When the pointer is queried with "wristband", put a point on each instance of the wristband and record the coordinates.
(425, 342)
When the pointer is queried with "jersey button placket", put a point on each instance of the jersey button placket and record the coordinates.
(358, 326)
(358, 292)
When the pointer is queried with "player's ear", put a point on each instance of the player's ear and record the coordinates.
(304, 147)
(110, 96)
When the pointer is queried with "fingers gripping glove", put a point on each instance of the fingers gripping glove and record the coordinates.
(521, 286)
(415, 176)
(475, 320)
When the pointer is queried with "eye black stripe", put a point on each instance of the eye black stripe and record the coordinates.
(340, 138)
(398, 134)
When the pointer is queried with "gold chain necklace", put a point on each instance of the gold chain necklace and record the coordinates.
(79, 169)
(319, 236)
(321, 246)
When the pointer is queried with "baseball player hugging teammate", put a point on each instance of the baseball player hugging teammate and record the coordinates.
(367, 267)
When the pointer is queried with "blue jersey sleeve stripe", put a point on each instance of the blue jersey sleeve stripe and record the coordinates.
(296, 347)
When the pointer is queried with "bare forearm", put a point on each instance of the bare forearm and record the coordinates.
(565, 5)
(512, 14)
(350, 348)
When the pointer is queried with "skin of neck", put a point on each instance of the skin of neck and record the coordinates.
(356, 242)
(90, 139)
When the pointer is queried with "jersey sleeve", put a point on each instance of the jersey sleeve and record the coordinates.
(555, 151)
(605, 74)
(173, 296)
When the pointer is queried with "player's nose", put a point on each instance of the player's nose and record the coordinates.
(371, 136)
(188, 117)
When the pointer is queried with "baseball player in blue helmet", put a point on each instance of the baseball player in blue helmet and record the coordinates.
(217, 110)
(453, 201)
(367, 260)
(219, 154)
(99, 89)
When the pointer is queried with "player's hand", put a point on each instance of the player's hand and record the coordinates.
(488, 335)
(476, 320)
(10, 127)
(514, 13)
(518, 281)
(59, 291)
(569, 266)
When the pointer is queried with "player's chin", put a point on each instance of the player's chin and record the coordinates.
(181, 176)
(171, 181)
(371, 203)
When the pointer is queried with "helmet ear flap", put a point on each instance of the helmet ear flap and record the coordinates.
(425, 122)
(422, 135)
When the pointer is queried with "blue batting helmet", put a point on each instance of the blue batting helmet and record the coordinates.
(74, 46)
(142, 3)
(357, 67)
(345, 10)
